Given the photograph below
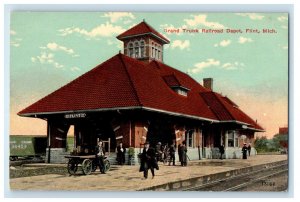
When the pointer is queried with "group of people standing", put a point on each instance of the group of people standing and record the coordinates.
(245, 149)
(149, 157)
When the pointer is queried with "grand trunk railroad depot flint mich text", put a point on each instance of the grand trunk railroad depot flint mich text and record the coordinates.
(220, 31)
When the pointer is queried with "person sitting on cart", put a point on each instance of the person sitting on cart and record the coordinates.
(100, 153)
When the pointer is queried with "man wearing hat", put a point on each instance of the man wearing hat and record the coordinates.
(148, 160)
(183, 154)
(100, 153)
(222, 151)
(244, 151)
(158, 151)
(249, 149)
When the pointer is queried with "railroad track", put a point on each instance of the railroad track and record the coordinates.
(236, 183)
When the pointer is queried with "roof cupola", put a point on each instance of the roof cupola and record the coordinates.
(143, 42)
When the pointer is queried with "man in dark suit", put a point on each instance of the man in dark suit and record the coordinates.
(172, 151)
(183, 154)
(148, 160)
(100, 153)
(221, 150)
(121, 154)
(249, 149)
(179, 153)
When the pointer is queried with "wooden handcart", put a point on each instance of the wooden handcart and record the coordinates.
(88, 164)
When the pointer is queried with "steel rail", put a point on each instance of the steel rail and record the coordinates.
(218, 182)
(255, 180)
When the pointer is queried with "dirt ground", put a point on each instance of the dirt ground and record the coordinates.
(128, 178)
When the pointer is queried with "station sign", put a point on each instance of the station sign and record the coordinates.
(75, 115)
(244, 126)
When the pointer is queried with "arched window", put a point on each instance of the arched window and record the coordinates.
(142, 49)
(136, 49)
(158, 52)
(153, 50)
(130, 52)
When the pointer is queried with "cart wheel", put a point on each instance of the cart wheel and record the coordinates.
(106, 166)
(87, 166)
(72, 166)
(94, 165)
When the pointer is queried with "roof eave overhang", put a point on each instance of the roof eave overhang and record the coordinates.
(147, 33)
(256, 129)
(180, 114)
(39, 114)
(243, 123)
(119, 108)
(235, 121)
(76, 111)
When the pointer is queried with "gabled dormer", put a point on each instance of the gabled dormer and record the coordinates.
(175, 85)
(143, 42)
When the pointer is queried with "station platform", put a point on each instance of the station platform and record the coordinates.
(128, 178)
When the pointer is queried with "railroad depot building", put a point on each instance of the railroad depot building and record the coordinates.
(135, 97)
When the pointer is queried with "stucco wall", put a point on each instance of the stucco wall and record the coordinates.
(57, 155)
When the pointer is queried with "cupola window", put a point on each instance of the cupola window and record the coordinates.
(130, 50)
(158, 55)
(143, 42)
(153, 50)
(136, 50)
(142, 49)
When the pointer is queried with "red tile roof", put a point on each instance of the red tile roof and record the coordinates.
(171, 80)
(154, 92)
(216, 106)
(230, 101)
(124, 82)
(238, 114)
(142, 28)
(227, 110)
(106, 86)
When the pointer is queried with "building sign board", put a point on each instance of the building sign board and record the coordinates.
(75, 115)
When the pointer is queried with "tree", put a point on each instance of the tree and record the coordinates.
(261, 144)
(278, 143)
(281, 141)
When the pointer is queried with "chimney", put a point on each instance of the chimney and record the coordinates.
(208, 83)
